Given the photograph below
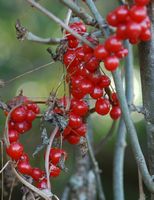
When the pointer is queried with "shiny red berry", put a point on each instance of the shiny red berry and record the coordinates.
(15, 150)
(142, 2)
(37, 174)
(75, 121)
(56, 154)
(80, 108)
(42, 184)
(138, 13)
(23, 127)
(112, 19)
(111, 63)
(121, 13)
(102, 106)
(97, 92)
(105, 81)
(13, 135)
(24, 168)
(115, 112)
(30, 116)
(54, 171)
(113, 44)
(100, 52)
(73, 139)
(18, 114)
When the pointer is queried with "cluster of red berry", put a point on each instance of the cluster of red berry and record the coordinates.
(85, 78)
(21, 119)
(132, 23)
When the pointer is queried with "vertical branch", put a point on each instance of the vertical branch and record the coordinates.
(95, 165)
(146, 59)
(118, 175)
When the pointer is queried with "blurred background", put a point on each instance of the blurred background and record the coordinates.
(18, 57)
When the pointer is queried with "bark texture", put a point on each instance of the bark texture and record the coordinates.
(146, 57)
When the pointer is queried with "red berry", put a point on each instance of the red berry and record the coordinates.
(18, 114)
(146, 35)
(133, 30)
(112, 19)
(92, 64)
(79, 53)
(24, 157)
(73, 43)
(76, 81)
(24, 168)
(11, 124)
(81, 131)
(56, 154)
(75, 121)
(114, 98)
(115, 112)
(142, 2)
(78, 94)
(97, 92)
(95, 78)
(138, 13)
(111, 63)
(105, 81)
(78, 27)
(23, 127)
(13, 135)
(121, 32)
(34, 107)
(100, 52)
(102, 106)
(122, 53)
(73, 139)
(37, 174)
(42, 184)
(121, 13)
(113, 44)
(67, 131)
(86, 86)
(54, 171)
(15, 150)
(30, 116)
(80, 108)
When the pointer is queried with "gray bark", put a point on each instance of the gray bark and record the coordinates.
(146, 57)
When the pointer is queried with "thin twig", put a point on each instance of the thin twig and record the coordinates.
(80, 12)
(29, 72)
(6, 164)
(24, 34)
(58, 21)
(52, 136)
